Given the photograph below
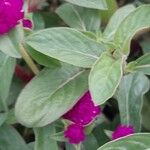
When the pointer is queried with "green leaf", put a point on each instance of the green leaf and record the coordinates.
(134, 23)
(67, 45)
(38, 21)
(97, 4)
(3, 117)
(49, 95)
(42, 59)
(79, 17)
(146, 112)
(16, 86)
(106, 14)
(31, 145)
(7, 65)
(139, 141)
(69, 146)
(130, 98)
(11, 118)
(142, 64)
(9, 43)
(11, 140)
(104, 78)
(43, 139)
(116, 20)
(59, 137)
(90, 143)
(99, 131)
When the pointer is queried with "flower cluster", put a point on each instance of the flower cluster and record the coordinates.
(121, 131)
(82, 114)
(75, 133)
(10, 13)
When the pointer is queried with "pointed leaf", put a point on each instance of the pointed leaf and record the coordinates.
(142, 64)
(135, 22)
(49, 95)
(7, 66)
(116, 20)
(67, 45)
(79, 17)
(130, 98)
(104, 78)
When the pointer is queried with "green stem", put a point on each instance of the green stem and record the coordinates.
(77, 147)
(28, 60)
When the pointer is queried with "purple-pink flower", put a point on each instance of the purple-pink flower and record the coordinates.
(84, 111)
(27, 23)
(11, 11)
(75, 133)
(122, 130)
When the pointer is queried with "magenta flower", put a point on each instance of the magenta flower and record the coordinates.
(75, 133)
(84, 111)
(10, 13)
(27, 23)
(121, 131)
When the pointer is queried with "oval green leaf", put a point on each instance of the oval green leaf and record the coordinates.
(105, 77)
(49, 95)
(67, 45)
(130, 98)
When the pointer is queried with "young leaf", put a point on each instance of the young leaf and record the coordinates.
(130, 98)
(10, 139)
(116, 20)
(43, 139)
(139, 141)
(9, 42)
(7, 66)
(104, 78)
(97, 4)
(142, 64)
(135, 22)
(49, 95)
(79, 17)
(67, 45)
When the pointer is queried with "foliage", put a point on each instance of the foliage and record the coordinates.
(75, 46)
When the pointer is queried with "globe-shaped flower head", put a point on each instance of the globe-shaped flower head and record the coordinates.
(11, 11)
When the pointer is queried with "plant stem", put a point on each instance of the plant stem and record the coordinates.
(28, 60)
(78, 147)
